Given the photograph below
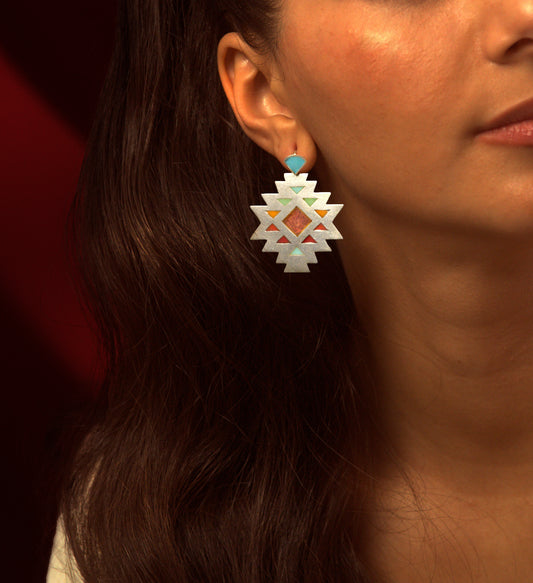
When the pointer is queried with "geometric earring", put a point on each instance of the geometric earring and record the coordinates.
(296, 221)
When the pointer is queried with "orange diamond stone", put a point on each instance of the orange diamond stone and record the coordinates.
(296, 221)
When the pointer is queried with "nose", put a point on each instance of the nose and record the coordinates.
(508, 34)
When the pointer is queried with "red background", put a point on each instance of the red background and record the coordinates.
(53, 57)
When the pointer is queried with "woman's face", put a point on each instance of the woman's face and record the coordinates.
(395, 92)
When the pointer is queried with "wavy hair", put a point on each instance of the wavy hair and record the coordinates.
(230, 431)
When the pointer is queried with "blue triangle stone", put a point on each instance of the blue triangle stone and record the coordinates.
(297, 252)
(295, 163)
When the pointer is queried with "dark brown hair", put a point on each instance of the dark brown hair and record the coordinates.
(229, 430)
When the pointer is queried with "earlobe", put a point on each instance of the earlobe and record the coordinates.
(247, 78)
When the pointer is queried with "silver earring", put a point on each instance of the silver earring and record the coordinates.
(296, 221)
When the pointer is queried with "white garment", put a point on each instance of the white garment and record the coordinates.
(62, 567)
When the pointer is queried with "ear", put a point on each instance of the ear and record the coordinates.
(254, 86)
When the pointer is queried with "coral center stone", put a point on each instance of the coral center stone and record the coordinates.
(296, 221)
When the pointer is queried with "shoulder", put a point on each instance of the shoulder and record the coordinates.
(62, 567)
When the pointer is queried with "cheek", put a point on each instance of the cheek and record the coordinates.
(363, 87)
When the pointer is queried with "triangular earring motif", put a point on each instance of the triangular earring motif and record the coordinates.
(291, 215)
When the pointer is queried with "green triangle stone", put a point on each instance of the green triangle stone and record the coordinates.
(296, 252)
(284, 201)
(310, 201)
(297, 189)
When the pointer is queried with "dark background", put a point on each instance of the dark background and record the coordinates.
(53, 58)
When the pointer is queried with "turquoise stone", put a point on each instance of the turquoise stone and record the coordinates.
(295, 163)
(297, 189)
(296, 252)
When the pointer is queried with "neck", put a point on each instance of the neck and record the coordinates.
(449, 318)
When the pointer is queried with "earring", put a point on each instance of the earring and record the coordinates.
(296, 221)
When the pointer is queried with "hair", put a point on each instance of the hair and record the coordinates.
(230, 438)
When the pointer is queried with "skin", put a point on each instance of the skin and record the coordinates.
(385, 99)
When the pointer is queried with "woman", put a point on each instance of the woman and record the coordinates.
(371, 420)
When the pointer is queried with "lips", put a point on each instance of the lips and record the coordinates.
(513, 127)
(515, 115)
